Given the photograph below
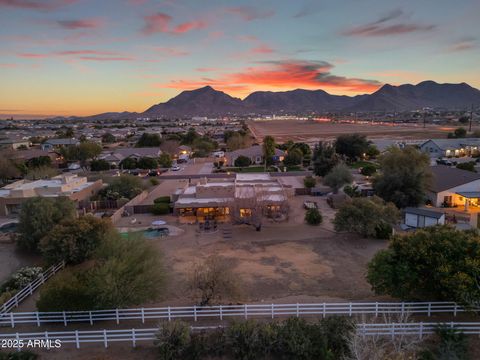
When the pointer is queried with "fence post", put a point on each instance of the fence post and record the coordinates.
(273, 311)
(195, 312)
(143, 316)
(393, 331)
(42, 278)
(324, 310)
(64, 319)
(16, 300)
(12, 320)
(455, 310)
(221, 313)
(90, 316)
(18, 341)
(38, 318)
(350, 309)
(245, 310)
(403, 308)
(105, 341)
(429, 309)
(298, 311)
(169, 314)
(46, 337)
(376, 309)
(77, 341)
(421, 330)
(133, 338)
(116, 315)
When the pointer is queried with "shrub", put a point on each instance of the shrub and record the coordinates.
(162, 199)
(172, 340)
(165, 160)
(161, 208)
(154, 182)
(453, 344)
(368, 170)
(309, 182)
(66, 291)
(469, 166)
(242, 161)
(21, 278)
(383, 230)
(99, 165)
(38, 216)
(124, 186)
(250, 339)
(19, 355)
(340, 175)
(147, 163)
(313, 217)
(74, 240)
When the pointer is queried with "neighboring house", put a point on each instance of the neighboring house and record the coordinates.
(74, 187)
(454, 187)
(420, 218)
(26, 155)
(219, 199)
(52, 144)
(254, 153)
(12, 144)
(436, 148)
(115, 156)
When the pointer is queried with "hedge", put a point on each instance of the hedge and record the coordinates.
(161, 208)
(162, 199)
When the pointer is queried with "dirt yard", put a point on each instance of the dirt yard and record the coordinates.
(311, 131)
(282, 263)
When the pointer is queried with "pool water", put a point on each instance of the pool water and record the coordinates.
(148, 234)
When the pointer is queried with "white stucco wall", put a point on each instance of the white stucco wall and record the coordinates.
(437, 199)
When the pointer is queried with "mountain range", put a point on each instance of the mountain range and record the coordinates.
(207, 101)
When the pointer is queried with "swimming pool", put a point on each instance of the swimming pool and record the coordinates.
(148, 233)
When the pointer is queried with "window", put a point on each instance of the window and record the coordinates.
(245, 213)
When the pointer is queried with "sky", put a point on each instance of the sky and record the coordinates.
(83, 57)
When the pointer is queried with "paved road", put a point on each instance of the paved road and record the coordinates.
(177, 176)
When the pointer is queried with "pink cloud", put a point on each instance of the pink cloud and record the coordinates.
(32, 55)
(80, 24)
(36, 4)
(463, 45)
(97, 58)
(188, 26)
(161, 23)
(262, 49)
(85, 52)
(171, 51)
(288, 74)
(249, 13)
(158, 22)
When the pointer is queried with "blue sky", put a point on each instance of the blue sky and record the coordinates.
(82, 57)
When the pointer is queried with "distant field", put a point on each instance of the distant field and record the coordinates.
(311, 131)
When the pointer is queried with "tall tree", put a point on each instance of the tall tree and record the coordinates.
(352, 146)
(38, 216)
(324, 158)
(268, 148)
(340, 175)
(435, 263)
(149, 140)
(404, 177)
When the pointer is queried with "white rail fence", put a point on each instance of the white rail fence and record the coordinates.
(30, 288)
(222, 312)
(106, 337)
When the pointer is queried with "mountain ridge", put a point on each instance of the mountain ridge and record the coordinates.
(206, 101)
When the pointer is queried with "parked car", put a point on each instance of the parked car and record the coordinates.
(154, 173)
(175, 168)
(310, 205)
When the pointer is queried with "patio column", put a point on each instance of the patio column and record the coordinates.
(466, 204)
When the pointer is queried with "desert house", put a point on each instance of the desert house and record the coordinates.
(232, 199)
(437, 148)
(254, 153)
(75, 187)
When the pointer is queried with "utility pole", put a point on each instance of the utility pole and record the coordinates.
(471, 119)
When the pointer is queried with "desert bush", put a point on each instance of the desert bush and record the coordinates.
(172, 340)
(313, 217)
(161, 208)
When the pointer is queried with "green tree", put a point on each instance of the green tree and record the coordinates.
(108, 138)
(242, 161)
(293, 157)
(435, 263)
(237, 141)
(99, 165)
(460, 132)
(313, 217)
(368, 170)
(469, 166)
(372, 151)
(337, 177)
(37, 218)
(124, 186)
(165, 160)
(161, 208)
(324, 158)
(203, 146)
(40, 161)
(74, 240)
(268, 149)
(149, 140)
(128, 271)
(352, 146)
(309, 182)
(147, 163)
(365, 216)
(189, 137)
(129, 163)
(405, 176)
(83, 152)
(8, 169)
